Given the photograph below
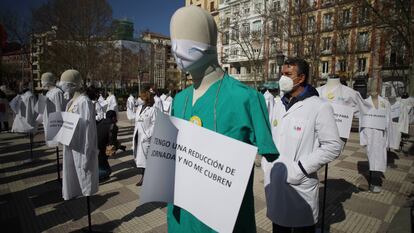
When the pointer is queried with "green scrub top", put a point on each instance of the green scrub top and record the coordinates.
(241, 114)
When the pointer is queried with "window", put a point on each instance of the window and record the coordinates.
(212, 8)
(343, 42)
(225, 38)
(363, 15)
(245, 29)
(246, 8)
(311, 23)
(342, 65)
(326, 44)
(325, 67)
(395, 53)
(327, 21)
(258, 6)
(362, 63)
(276, 6)
(346, 17)
(257, 26)
(235, 35)
(362, 41)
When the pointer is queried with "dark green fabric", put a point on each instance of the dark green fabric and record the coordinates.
(242, 115)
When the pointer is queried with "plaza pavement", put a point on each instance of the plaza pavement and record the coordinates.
(31, 199)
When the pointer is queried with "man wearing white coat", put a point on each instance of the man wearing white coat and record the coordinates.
(111, 102)
(80, 158)
(306, 135)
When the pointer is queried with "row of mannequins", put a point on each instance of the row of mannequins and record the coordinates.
(375, 140)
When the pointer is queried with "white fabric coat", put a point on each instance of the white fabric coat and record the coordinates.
(343, 95)
(55, 103)
(404, 120)
(270, 101)
(376, 141)
(144, 127)
(158, 103)
(112, 104)
(131, 108)
(80, 158)
(24, 107)
(100, 114)
(167, 105)
(307, 132)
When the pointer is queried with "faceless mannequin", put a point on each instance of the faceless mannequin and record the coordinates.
(74, 80)
(194, 24)
(48, 81)
(333, 81)
(374, 92)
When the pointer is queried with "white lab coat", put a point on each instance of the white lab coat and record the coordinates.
(405, 110)
(270, 101)
(24, 107)
(307, 132)
(55, 103)
(167, 105)
(139, 102)
(100, 114)
(158, 103)
(376, 141)
(131, 108)
(344, 95)
(144, 127)
(80, 158)
(112, 103)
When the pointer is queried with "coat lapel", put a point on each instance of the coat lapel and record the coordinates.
(293, 108)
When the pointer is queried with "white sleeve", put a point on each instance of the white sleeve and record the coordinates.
(330, 144)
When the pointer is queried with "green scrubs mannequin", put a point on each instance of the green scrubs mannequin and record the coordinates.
(237, 111)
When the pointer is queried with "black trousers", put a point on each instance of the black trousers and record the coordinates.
(281, 229)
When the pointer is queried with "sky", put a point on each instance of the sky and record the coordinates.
(154, 15)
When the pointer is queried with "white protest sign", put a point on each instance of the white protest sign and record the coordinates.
(160, 168)
(343, 118)
(61, 127)
(395, 110)
(374, 118)
(211, 171)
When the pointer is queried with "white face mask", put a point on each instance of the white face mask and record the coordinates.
(68, 88)
(191, 54)
(286, 84)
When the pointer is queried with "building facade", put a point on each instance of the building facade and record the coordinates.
(164, 69)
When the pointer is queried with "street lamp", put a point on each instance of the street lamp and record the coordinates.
(280, 59)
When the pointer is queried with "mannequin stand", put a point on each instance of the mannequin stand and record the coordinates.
(58, 165)
(324, 199)
(89, 229)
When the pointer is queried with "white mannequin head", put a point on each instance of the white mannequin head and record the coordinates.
(194, 39)
(48, 80)
(70, 82)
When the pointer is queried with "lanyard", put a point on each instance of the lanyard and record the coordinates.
(215, 103)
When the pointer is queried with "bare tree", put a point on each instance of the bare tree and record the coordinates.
(246, 43)
(19, 29)
(396, 17)
(80, 27)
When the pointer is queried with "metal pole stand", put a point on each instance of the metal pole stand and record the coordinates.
(58, 165)
(324, 199)
(31, 146)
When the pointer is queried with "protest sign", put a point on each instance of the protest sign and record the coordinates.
(343, 118)
(61, 127)
(210, 175)
(374, 118)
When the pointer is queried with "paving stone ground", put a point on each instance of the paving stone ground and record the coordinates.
(31, 200)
